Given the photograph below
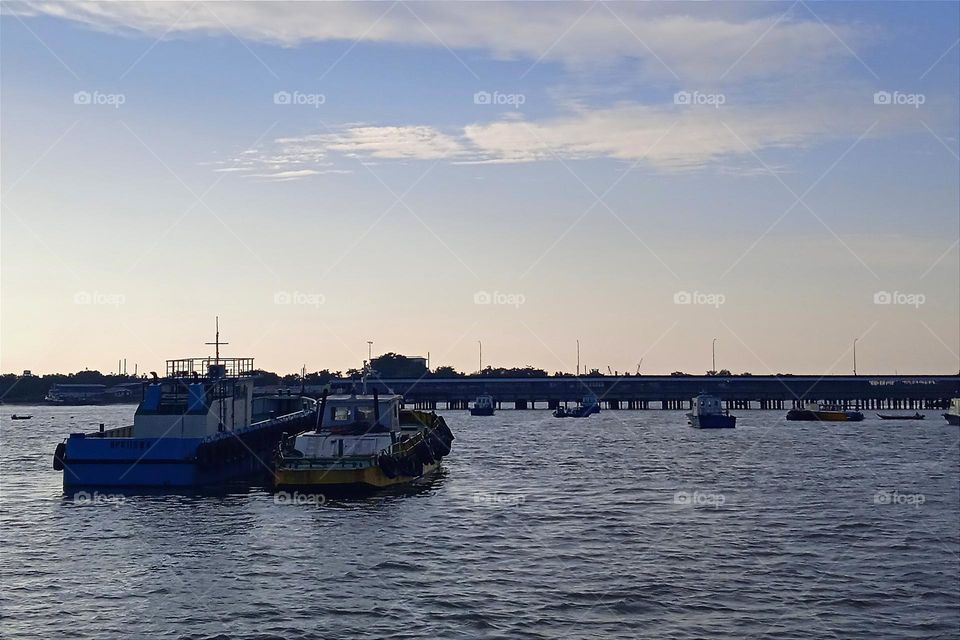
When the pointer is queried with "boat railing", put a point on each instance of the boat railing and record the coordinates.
(116, 432)
(194, 367)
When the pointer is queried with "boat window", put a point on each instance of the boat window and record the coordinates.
(341, 414)
(365, 414)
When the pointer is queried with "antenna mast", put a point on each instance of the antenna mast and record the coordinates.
(217, 343)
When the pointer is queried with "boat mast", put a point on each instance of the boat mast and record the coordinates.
(217, 343)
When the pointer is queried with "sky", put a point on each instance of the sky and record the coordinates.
(643, 178)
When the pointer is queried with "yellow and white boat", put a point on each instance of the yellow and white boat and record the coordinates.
(362, 442)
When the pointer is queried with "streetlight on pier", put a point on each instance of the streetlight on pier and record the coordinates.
(480, 345)
(855, 356)
(370, 352)
(713, 351)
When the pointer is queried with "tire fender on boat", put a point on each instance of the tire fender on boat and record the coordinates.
(59, 456)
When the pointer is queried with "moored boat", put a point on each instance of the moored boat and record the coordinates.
(482, 406)
(199, 425)
(362, 443)
(587, 407)
(952, 414)
(708, 413)
(915, 416)
(16, 417)
(824, 413)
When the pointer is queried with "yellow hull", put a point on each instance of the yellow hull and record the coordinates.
(369, 477)
(831, 416)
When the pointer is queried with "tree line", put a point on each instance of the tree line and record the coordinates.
(32, 388)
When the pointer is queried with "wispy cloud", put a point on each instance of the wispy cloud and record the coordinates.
(667, 138)
(667, 39)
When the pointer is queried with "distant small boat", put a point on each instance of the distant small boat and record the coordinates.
(16, 417)
(813, 412)
(589, 406)
(708, 414)
(916, 416)
(953, 413)
(483, 406)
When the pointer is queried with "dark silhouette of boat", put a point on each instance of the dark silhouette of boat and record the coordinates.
(813, 412)
(953, 413)
(708, 414)
(916, 416)
(16, 417)
(483, 406)
(589, 406)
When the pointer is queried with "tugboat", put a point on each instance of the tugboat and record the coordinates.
(362, 443)
(953, 413)
(824, 413)
(482, 406)
(199, 425)
(708, 414)
(587, 407)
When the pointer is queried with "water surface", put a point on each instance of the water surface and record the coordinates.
(623, 525)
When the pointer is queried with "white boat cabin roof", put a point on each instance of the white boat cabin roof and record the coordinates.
(342, 410)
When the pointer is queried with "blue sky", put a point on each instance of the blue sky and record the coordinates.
(384, 203)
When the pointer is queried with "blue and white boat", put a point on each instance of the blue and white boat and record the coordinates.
(199, 425)
(707, 413)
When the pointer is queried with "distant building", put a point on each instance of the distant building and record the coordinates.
(76, 394)
(80, 394)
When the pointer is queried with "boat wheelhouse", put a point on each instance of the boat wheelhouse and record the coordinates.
(198, 425)
(483, 406)
(708, 413)
(363, 442)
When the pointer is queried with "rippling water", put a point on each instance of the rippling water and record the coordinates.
(624, 525)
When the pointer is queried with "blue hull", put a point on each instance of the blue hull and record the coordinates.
(95, 461)
(713, 421)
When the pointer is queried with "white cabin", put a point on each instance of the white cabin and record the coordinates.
(483, 402)
(350, 428)
(199, 398)
(705, 404)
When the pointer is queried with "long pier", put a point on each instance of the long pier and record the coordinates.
(668, 392)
